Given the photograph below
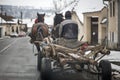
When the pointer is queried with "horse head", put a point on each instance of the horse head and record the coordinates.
(58, 18)
(40, 17)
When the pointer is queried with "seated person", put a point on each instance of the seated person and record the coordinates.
(68, 32)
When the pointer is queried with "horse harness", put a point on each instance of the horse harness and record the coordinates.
(40, 31)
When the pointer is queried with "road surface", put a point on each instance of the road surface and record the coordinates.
(17, 62)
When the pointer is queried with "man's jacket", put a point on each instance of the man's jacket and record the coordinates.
(68, 29)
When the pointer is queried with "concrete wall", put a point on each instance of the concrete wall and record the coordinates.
(81, 30)
(87, 25)
(3, 28)
(101, 27)
(118, 3)
(113, 29)
(87, 28)
(8, 28)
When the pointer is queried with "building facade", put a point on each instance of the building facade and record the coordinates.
(80, 25)
(113, 23)
(95, 26)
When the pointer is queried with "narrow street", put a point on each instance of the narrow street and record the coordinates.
(17, 61)
(96, 26)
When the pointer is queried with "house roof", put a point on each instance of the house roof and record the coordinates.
(28, 22)
(6, 17)
(83, 6)
(2, 20)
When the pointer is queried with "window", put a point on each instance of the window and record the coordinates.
(12, 28)
(113, 8)
(112, 36)
(110, 9)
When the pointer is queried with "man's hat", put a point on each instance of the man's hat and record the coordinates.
(68, 14)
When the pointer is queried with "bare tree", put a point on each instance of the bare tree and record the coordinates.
(60, 4)
(57, 5)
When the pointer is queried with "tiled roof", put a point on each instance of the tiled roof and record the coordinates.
(6, 17)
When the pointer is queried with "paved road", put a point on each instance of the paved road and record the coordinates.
(17, 61)
(5, 43)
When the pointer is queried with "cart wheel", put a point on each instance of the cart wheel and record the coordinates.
(39, 59)
(45, 69)
(105, 68)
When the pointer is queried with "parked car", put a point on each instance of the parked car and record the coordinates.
(14, 34)
(22, 34)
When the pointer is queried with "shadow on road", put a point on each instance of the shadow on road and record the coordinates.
(70, 75)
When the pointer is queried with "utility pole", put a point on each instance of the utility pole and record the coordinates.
(21, 13)
(1, 13)
(21, 16)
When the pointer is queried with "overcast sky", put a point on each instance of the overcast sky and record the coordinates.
(35, 3)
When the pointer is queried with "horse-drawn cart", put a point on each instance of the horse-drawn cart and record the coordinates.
(53, 56)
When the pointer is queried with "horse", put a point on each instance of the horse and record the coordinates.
(57, 20)
(39, 30)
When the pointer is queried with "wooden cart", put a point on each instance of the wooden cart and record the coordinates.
(53, 56)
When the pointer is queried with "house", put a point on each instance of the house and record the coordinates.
(27, 24)
(9, 25)
(113, 23)
(80, 24)
(2, 28)
(5, 22)
(95, 26)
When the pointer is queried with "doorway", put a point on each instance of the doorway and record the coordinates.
(0, 32)
(94, 30)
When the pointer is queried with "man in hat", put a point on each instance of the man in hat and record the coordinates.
(68, 31)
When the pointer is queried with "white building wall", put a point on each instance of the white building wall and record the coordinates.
(113, 29)
(80, 26)
(2, 31)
